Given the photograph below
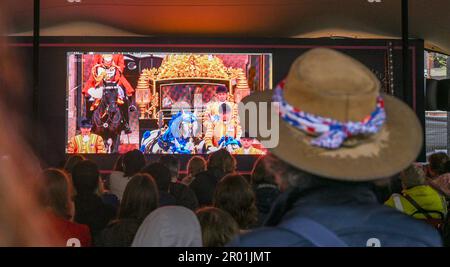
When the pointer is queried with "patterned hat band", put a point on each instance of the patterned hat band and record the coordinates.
(331, 133)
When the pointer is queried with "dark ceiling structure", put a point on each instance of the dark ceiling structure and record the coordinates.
(429, 19)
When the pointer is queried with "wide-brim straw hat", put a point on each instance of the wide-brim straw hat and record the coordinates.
(329, 84)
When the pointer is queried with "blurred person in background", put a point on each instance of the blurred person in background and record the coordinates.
(234, 195)
(90, 208)
(132, 162)
(436, 163)
(118, 165)
(23, 221)
(218, 226)
(220, 163)
(182, 193)
(265, 188)
(417, 199)
(71, 162)
(439, 173)
(170, 193)
(56, 195)
(162, 176)
(139, 199)
(196, 165)
(170, 226)
(173, 164)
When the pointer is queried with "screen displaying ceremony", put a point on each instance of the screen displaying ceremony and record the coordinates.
(161, 103)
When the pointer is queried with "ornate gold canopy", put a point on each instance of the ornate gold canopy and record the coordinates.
(191, 66)
(176, 68)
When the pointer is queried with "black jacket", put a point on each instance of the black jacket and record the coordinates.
(166, 199)
(265, 194)
(119, 233)
(205, 184)
(184, 196)
(90, 210)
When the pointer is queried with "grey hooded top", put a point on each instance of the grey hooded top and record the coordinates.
(169, 226)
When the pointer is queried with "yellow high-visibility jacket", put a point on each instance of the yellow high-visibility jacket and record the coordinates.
(425, 196)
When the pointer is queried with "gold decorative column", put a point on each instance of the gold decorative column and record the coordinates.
(143, 96)
(242, 88)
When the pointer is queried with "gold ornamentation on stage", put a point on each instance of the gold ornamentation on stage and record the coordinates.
(185, 68)
(143, 96)
(154, 105)
(242, 89)
(192, 66)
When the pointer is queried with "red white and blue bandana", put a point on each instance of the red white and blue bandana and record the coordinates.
(331, 133)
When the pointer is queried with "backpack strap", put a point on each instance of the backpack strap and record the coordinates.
(313, 231)
(418, 207)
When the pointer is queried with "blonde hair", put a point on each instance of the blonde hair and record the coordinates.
(196, 165)
(222, 160)
(235, 195)
(56, 192)
(218, 226)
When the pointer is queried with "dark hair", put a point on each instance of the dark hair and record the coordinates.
(56, 192)
(447, 166)
(133, 162)
(160, 173)
(172, 163)
(139, 198)
(72, 161)
(260, 173)
(218, 226)
(85, 123)
(235, 195)
(118, 166)
(297, 178)
(85, 177)
(222, 160)
(221, 89)
(436, 162)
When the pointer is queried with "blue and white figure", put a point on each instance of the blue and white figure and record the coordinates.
(179, 137)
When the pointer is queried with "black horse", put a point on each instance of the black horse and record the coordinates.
(108, 120)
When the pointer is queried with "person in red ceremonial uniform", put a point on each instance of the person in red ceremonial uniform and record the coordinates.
(107, 71)
(55, 195)
(86, 142)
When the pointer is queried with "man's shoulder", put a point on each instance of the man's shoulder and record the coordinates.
(268, 237)
(357, 228)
